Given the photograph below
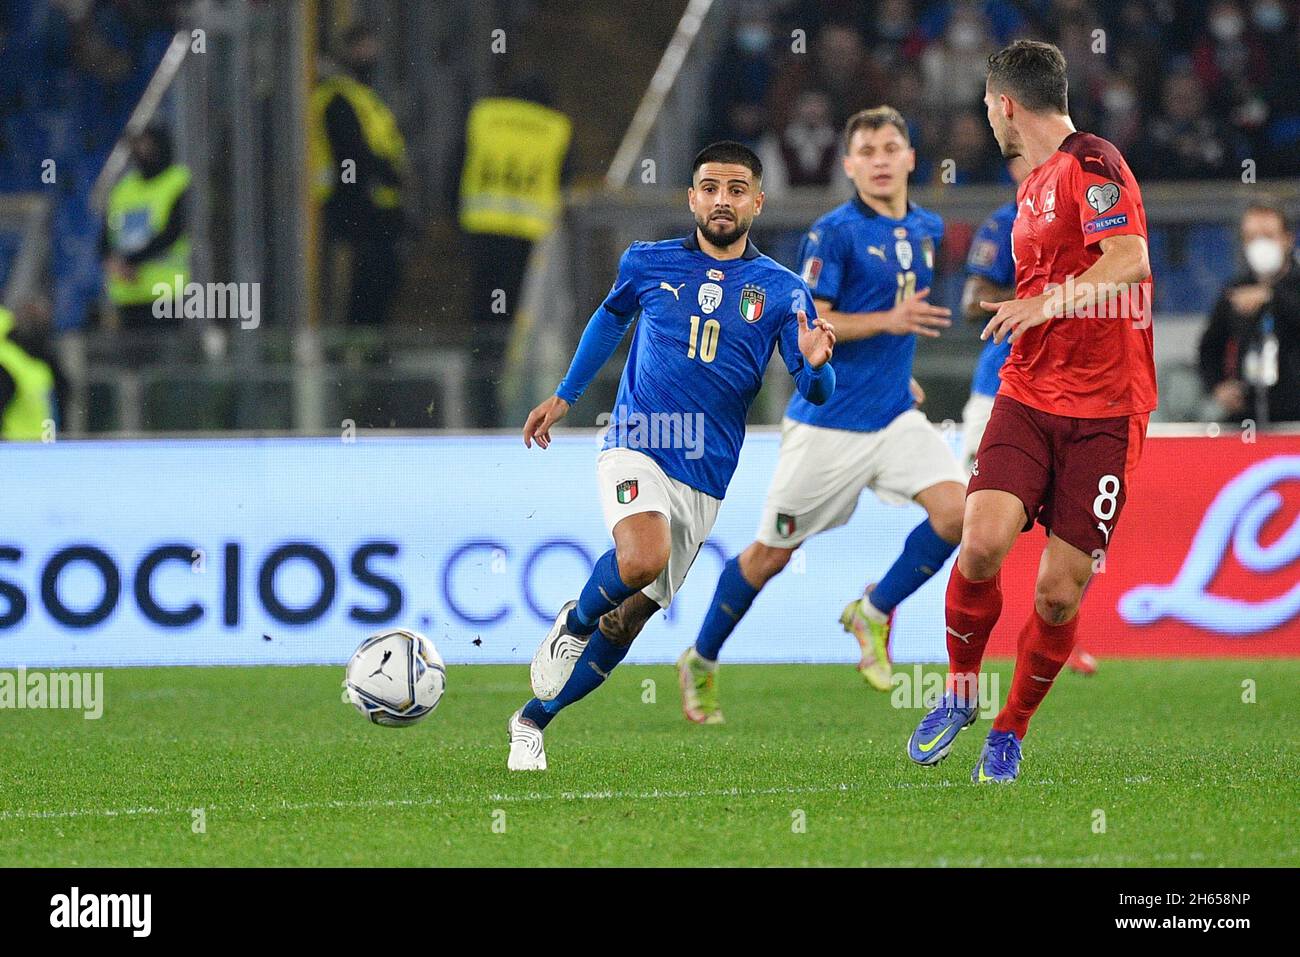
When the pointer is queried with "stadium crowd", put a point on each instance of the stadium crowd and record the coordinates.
(1187, 90)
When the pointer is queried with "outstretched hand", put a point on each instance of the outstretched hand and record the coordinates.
(542, 418)
(816, 342)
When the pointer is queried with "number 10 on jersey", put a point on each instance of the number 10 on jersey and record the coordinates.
(708, 343)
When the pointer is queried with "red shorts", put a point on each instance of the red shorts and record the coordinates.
(1071, 474)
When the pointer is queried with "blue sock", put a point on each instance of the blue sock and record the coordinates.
(731, 600)
(923, 554)
(591, 669)
(603, 593)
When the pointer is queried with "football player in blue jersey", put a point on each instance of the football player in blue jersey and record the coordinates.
(991, 277)
(712, 309)
(869, 264)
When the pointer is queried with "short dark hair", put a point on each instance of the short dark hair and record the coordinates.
(729, 151)
(1034, 73)
(1269, 204)
(874, 119)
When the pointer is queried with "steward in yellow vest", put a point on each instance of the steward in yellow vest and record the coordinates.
(350, 122)
(358, 164)
(510, 197)
(145, 240)
(26, 388)
(514, 157)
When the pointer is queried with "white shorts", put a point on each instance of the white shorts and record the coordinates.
(630, 483)
(974, 417)
(821, 472)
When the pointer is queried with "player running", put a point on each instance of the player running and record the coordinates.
(991, 277)
(869, 264)
(712, 309)
(1070, 417)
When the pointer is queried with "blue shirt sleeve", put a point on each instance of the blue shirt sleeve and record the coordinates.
(990, 253)
(608, 324)
(815, 385)
(623, 298)
(822, 260)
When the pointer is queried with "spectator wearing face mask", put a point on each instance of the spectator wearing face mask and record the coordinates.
(806, 151)
(1188, 141)
(838, 64)
(1232, 65)
(1121, 113)
(1280, 137)
(956, 64)
(1250, 351)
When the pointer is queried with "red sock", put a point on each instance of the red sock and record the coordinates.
(1041, 652)
(972, 611)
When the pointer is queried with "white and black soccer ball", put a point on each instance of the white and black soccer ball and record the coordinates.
(396, 677)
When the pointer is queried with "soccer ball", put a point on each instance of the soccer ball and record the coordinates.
(396, 678)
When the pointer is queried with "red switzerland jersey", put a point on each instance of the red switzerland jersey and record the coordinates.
(1096, 363)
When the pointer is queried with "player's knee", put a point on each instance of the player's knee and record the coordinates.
(981, 555)
(642, 563)
(1057, 600)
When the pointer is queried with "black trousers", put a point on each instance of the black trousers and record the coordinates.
(497, 265)
(370, 234)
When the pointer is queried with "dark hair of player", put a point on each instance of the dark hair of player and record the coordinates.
(874, 119)
(1268, 204)
(1033, 72)
(729, 151)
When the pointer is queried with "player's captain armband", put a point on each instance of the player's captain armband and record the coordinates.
(1104, 223)
(811, 270)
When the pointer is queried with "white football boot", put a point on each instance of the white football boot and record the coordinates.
(555, 657)
(526, 750)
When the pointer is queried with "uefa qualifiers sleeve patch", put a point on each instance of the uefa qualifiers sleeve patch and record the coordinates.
(983, 254)
(1102, 196)
(812, 269)
(1105, 223)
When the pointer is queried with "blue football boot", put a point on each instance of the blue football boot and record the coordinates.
(933, 737)
(1000, 759)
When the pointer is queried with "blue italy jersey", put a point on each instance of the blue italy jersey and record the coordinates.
(705, 336)
(990, 257)
(862, 261)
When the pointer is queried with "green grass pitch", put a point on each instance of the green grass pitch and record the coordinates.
(809, 770)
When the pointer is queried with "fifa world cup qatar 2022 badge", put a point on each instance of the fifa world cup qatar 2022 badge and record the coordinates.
(626, 492)
(751, 303)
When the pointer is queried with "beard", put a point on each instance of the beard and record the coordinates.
(723, 232)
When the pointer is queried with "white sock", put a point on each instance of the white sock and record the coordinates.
(872, 612)
(705, 662)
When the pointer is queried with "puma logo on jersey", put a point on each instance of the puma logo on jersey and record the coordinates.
(1104, 531)
(877, 251)
(1100, 161)
(975, 467)
(675, 291)
(964, 639)
(1029, 201)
